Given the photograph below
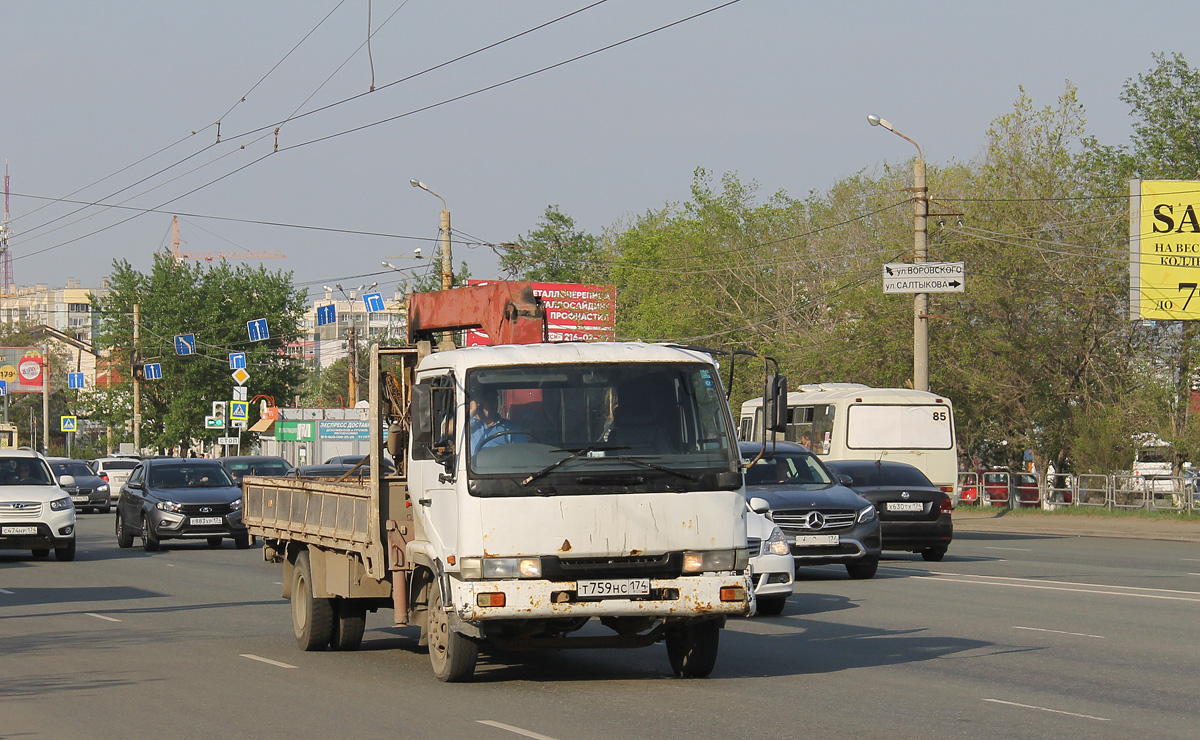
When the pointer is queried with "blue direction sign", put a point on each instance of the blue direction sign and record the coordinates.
(236, 360)
(3, 387)
(152, 371)
(374, 302)
(257, 329)
(75, 380)
(185, 344)
(326, 314)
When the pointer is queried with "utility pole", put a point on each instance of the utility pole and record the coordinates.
(137, 386)
(46, 400)
(444, 233)
(920, 254)
(352, 356)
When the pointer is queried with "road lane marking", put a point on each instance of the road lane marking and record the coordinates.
(758, 627)
(515, 730)
(268, 661)
(1073, 590)
(1013, 549)
(1047, 709)
(5, 591)
(1087, 588)
(1058, 632)
(101, 616)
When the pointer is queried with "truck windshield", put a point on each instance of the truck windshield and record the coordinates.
(567, 428)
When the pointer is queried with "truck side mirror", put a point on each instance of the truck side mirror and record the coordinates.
(775, 408)
(422, 421)
(759, 505)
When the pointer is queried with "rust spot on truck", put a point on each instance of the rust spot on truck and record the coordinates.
(566, 546)
(635, 551)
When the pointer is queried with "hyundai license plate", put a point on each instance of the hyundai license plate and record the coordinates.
(201, 521)
(816, 540)
(18, 530)
(905, 506)
(613, 587)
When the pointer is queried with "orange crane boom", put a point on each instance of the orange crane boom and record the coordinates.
(210, 256)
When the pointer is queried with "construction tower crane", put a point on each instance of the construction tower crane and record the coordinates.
(210, 256)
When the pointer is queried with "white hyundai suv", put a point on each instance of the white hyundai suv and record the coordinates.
(35, 514)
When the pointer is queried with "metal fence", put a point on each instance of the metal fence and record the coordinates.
(1115, 491)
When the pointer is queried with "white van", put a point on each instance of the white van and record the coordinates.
(851, 421)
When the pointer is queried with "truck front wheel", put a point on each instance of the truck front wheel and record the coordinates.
(312, 618)
(451, 655)
(692, 648)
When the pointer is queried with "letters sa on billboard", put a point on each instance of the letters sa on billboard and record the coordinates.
(1164, 249)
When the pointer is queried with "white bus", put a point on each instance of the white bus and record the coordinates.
(851, 421)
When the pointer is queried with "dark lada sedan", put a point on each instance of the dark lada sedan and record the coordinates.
(914, 514)
(180, 498)
(824, 522)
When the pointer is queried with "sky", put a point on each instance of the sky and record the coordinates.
(116, 104)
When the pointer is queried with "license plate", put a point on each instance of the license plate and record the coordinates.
(905, 506)
(201, 521)
(18, 530)
(613, 587)
(79, 499)
(815, 540)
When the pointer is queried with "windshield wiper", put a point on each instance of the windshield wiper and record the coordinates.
(647, 464)
(574, 454)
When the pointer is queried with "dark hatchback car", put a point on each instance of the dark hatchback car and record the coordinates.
(264, 465)
(824, 522)
(914, 514)
(352, 460)
(331, 470)
(89, 492)
(180, 498)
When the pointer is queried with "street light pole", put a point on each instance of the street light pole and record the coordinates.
(443, 234)
(920, 254)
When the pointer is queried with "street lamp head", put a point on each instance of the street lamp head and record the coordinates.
(417, 184)
(877, 121)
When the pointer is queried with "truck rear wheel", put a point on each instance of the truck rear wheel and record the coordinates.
(349, 623)
(312, 618)
(451, 655)
(692, 648)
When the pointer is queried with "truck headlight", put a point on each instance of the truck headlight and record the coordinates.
(866, 515)
(61, 504)
(776, 544)
(511, 567)
(701, 561)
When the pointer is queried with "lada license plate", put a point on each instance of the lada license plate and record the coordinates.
(905, 506)
(201, 521)
(18, 530)
(816, 540)
(613, 587)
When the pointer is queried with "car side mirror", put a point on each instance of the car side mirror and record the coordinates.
(66, 480)
(134, 486)
(759, 505)
(845, 480)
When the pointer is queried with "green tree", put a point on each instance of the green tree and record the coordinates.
(214, 303)
(555, 252)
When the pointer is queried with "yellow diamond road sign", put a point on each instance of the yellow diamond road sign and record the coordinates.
(240, 375)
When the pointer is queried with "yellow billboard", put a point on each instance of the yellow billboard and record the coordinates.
(1164, 249)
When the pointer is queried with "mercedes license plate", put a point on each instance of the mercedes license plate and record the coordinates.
(18, 530)
(816, 540)
(613, 587)
(201, 521)
(905, 506)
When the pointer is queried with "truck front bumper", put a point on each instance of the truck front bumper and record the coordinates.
(539, 599)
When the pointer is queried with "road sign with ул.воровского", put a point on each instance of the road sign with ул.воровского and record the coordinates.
(924, 277)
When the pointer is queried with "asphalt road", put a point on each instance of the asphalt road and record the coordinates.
(1012, 636)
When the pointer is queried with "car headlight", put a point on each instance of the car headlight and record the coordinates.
(701, 561)
(235, 505)
(866, 515)
(102, 488)
(62, 504)
(169, 506)
(503, 567)
(776, 544)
